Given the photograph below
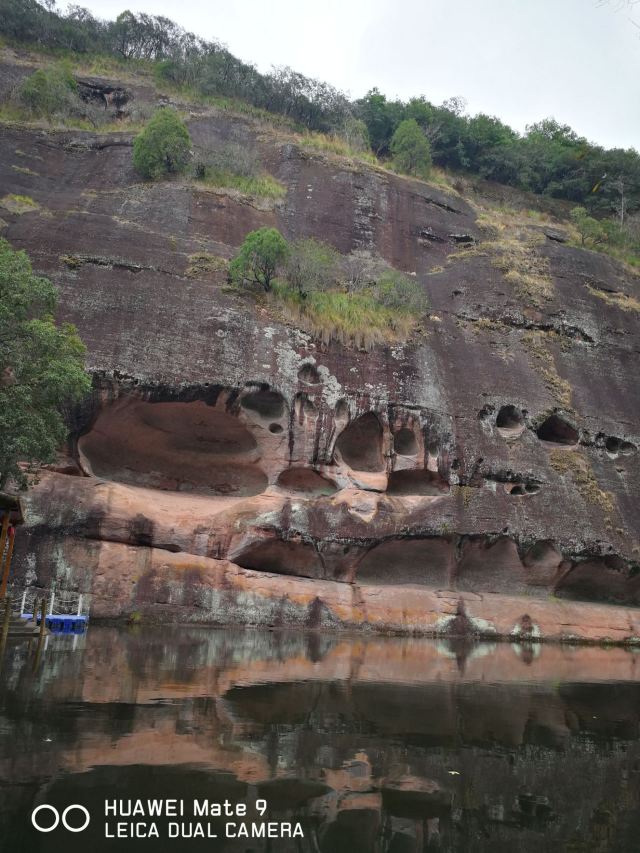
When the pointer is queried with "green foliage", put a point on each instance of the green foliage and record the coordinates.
(35, 23)
(549, 158)
(41, 369)
(590, 230)
(163, 147)
(410, 149)
(50, 91)
(354, 299)
(621, 241)
(381, 118)
(169, 71)
(261, 255)
(311, 266)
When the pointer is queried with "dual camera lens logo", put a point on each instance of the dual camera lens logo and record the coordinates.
(44, 822)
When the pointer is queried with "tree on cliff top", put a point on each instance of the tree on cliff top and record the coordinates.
(259, 258)
(163, 147)
(41, 369)
(410, 149)
(590, 230)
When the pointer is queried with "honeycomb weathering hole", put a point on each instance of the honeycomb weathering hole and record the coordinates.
(510, 421)
(615, 446)
(267, 404)
(342, 410)
(404, 442)
(360, 445)
(306, 481)
(303, 406)
(186, 447)
(521, 489)
(417, 482)
(309, 375)
(612, 445)
(556, 430)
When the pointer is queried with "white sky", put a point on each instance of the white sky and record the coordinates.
(521, 60)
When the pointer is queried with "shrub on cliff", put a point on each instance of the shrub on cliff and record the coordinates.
(400, 292)
(591, 231)
(261, 255)
(41, 369)
(357, 299)
(49, 92)
(410, 149)
(163, 147)
(311, 266)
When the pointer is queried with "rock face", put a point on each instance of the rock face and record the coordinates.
(229, 467)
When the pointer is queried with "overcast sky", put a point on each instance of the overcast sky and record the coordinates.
(521, 60)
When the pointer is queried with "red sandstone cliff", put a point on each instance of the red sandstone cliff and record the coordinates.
(229, 467)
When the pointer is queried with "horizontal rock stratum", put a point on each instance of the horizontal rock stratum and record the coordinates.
(481, 477)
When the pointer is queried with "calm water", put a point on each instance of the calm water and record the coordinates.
(392, 746)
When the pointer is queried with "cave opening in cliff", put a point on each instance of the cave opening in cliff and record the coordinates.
(556, 430)
(510, 421)
(306, 481)
(417, 482)
(599, 579)
(282, 557)
(486, 564)
(542, 562)
(360, 445)
(180, 447)
(404, 442)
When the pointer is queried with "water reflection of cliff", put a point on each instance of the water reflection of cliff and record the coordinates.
(381, 745)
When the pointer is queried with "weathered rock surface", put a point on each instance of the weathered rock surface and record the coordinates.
(494, 453)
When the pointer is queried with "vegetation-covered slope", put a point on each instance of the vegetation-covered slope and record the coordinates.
(549, 158)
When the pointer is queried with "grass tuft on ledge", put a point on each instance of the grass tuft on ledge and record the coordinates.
(260, 186)
(355, 319)
(334, 144)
